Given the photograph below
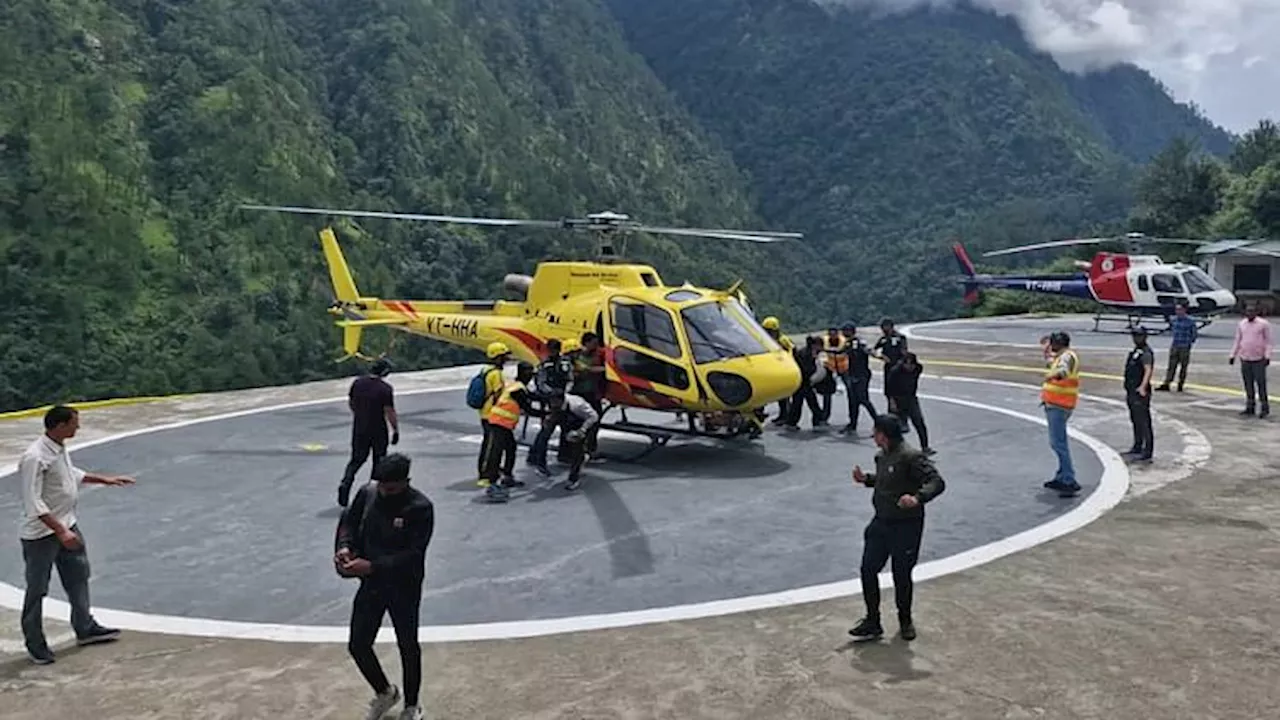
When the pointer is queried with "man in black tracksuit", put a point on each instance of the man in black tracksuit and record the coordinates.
(902, 386)
(904, 481)
(553, 377)
(890, 348)
(807, 358)
(373, 407)
(857, 380)
(1138, 368)
(382, 539)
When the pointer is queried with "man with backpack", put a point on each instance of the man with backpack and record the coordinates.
(482, 393)
(554, 377)
(382, 539)
(504, 416)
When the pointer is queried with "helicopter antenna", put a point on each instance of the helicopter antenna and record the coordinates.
(610, 228)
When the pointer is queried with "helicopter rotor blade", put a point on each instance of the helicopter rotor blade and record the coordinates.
(716, 234)
(507, 222)
(1050, 244)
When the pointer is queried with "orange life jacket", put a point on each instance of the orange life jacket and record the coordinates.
(506, 411)
(837, 361)
(1063, 392)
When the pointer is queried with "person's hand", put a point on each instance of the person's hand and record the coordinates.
(343, 556)
(120, 480)
(859, 476)
(908, 501)
(1143, 390)
(70, 540)
(395, 437)
(359, 567)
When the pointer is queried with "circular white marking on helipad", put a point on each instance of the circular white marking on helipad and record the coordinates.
(1112, 487)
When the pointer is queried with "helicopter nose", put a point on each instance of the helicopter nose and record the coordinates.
(775, 378)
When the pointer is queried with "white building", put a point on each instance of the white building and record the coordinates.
(1248, 268)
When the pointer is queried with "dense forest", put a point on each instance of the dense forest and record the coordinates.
(131, 129)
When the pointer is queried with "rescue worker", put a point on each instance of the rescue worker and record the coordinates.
(772, 327)
(589, 381)
(504, 416)
(890, 348)
(373, 407)
(807, 358)
(577, 420)
(857, 378)
(1058, 394)
(905, 480)
(1185, 335)
(836, 362)
(903, 401)
(1138, 368)
(572, 350)
(382, 540)
(494, 381)
(553, 379)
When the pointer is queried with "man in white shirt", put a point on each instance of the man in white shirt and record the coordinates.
(51, 536)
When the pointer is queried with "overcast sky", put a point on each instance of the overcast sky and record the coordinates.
(1223, 55)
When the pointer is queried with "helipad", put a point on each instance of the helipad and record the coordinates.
(230, 528)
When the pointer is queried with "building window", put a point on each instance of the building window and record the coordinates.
(1252, 277)
(650, 368)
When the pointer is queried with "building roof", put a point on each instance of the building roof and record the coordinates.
(1221, 247)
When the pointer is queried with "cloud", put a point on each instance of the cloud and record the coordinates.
(1193, 46)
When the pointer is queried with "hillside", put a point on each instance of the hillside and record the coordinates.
(883, 136)
(129, 130)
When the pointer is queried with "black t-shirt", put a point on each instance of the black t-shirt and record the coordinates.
(1138, 359)
(903, 382)
(369, 396)
(892, 347)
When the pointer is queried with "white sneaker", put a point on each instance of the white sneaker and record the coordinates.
(411, 712)
(381, 704)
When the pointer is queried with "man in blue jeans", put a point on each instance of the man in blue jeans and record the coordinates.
(1058, 394)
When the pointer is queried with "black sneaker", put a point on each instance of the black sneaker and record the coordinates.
(510, 482)
(1055, 485)
(867, 629)
(1247, 412)
(41, 656)
(573, 484)
(1164, 388)
(98, 634)
(907, 630)
(1069, 491)
(1264, 414)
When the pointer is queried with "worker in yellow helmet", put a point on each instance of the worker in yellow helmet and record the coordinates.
(774, 328)
(498, 355)
(504, 416)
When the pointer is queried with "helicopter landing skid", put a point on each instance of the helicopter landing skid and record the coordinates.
(1131, 322)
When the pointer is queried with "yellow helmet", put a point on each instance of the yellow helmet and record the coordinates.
(569, 345)
(497, 349)
(770, 323)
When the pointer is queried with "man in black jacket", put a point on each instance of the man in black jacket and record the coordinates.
(382, 539)
(373, 408)
(807, 358)
(904, 481)
(902, 387)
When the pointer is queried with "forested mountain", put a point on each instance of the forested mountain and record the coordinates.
(883, 135)
(131, 129)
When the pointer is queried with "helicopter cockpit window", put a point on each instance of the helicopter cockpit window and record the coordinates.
(718, 330)
(1198, 281)
(1166, 283)
(683, 295)
(1142, 283)
(651, 368)
(647, 326)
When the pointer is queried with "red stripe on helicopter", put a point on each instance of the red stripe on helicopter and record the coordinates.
(534, 344)
(1109, 278)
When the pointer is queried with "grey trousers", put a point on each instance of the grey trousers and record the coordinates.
(40, 557)
(1254, 375)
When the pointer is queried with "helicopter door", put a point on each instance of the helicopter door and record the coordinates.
(1168, 289)
(647, 355)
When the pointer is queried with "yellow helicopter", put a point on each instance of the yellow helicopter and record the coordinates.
(693, 351)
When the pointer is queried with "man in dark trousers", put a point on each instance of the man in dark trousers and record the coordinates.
(382, 540)
(1184, 336)
(807, 358)
(904, 481)
(504, 417)
(553, 378)
(902, 387)
(857, 379)
(373, 408)
(1138, 368)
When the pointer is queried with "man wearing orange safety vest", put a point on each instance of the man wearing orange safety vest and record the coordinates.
(504, 416)
(836, 360)
(1058, 394)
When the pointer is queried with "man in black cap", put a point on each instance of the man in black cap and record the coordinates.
(373, 408)
(857, 377)
(904, 481)
(890, 348)
(382, 539)
(1137, 390)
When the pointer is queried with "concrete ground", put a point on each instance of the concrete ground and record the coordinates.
(1162, 608)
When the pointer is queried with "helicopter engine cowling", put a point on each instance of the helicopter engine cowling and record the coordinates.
(517, 284)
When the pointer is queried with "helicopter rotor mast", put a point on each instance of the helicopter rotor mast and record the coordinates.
(605, 225)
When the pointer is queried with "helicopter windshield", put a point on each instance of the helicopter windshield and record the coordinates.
(1198, 281)
(719, 330)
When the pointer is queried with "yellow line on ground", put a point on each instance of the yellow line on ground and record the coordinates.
(89, 404)
(1218, 389)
